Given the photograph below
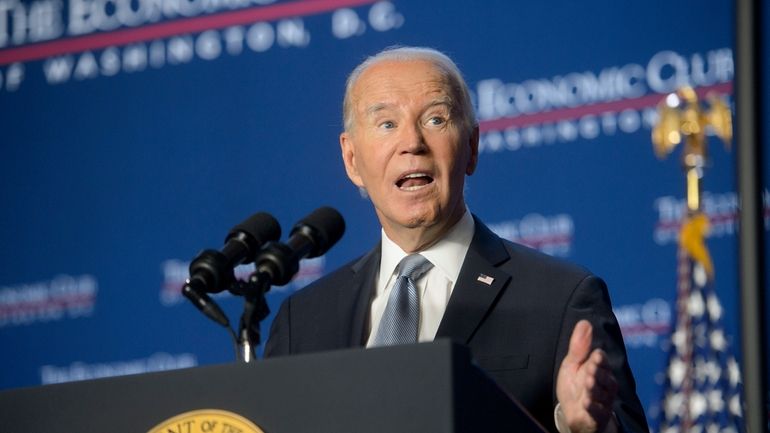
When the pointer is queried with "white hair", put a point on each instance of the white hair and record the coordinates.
(404, 54)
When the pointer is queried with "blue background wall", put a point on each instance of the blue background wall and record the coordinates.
(122, 158)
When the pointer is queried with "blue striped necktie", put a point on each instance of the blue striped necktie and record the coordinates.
(401, 319)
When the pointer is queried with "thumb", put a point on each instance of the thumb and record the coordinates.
(580, 342)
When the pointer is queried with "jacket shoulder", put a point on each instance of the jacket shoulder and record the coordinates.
(334, 280)
(524, 257)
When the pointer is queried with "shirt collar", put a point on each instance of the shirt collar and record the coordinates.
(447, 255)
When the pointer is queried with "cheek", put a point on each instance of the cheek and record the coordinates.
(371, 166)
(457, 162)
(376, 157)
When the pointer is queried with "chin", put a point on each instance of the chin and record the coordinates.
(422, 218)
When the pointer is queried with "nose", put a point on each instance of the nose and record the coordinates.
(413, 140)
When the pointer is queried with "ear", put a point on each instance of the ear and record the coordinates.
(349, 158)
(473, 142)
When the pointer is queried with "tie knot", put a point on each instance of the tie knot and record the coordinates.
(414, 266)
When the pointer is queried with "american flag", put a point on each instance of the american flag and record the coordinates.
(702, 387)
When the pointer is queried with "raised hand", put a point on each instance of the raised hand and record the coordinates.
(585, 385)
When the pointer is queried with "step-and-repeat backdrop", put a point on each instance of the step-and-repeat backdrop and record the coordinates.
(135, 133)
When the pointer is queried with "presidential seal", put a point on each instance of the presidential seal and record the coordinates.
(207, 421)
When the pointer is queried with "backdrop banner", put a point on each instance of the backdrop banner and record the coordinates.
(137, 133)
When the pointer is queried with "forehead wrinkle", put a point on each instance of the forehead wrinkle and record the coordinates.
(445, 100)
(433, 84)
(377, 107)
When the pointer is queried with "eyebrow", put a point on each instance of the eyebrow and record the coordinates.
(377, 107)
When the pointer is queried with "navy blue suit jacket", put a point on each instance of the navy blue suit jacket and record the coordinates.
(517, 328)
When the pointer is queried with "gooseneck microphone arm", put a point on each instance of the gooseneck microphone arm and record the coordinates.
(193, 291)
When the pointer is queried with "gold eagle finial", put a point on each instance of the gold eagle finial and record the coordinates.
(681, 117)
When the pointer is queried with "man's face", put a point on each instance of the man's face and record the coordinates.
(408, 147)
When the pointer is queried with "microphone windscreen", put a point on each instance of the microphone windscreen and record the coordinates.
(261, 227)
(327, 227)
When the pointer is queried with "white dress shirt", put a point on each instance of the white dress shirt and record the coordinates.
(435, 287)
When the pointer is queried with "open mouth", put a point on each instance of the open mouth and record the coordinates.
(414, 181)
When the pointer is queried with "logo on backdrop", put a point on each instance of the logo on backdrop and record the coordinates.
(63, 297)
(551, 234)
(720, 208)
(81, 371)
(102, 38)
(643, 324)
(585, 105)
(175, 272)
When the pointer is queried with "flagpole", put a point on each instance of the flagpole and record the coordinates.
(703, 388)
(749, 160)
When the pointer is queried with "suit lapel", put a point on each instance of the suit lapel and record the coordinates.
(477, 288)
(361, 289)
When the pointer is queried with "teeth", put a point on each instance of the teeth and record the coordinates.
(413, 176)
(413, 188)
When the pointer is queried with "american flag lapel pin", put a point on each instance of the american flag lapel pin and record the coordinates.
(486, 279)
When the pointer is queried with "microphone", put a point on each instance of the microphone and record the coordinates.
(277, 263)
(212, 271)
(311, 237)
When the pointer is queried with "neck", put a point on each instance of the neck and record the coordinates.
(416, 239)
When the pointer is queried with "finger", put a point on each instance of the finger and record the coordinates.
(599, 357)
(605, 380)
(602, 394)
(580, 342)
(598, 383)
(599, 354)
(599, 363)
(598, 376)
(594, 365)
(604, 374)
(599, 396)
(600, 414)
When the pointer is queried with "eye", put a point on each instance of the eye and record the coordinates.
(436, 121)
(387, 125)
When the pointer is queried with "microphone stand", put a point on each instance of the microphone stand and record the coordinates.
(277, 263)
(255, 310)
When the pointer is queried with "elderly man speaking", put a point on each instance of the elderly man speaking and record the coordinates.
(546, 326)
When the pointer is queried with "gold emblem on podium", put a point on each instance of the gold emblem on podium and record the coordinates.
(207, 421)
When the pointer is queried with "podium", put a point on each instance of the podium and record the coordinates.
(430, 387)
